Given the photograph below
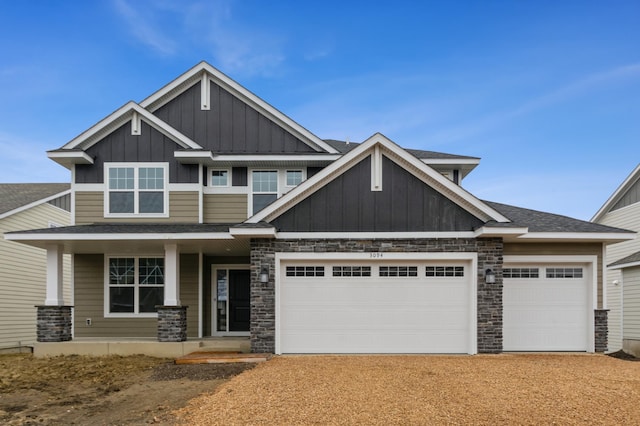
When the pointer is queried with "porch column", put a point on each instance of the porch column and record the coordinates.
(171, 275)
(53, 318)
(54, 292)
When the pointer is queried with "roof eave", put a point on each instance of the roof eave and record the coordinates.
(600, 237)
(68, 158)
(618, 193)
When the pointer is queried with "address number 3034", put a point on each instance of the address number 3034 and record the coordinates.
(375, 255)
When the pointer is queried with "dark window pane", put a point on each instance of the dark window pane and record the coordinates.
(121, 299)
(151, 271)
(260, 201)
(121, 271)
(151, 202)
(150, 297)
(121, 202)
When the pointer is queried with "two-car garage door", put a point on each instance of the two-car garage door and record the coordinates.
(376, 306)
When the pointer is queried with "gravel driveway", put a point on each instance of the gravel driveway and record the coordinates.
(481, 389)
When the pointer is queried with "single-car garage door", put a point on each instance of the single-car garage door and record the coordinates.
(375, 307)
(545, 308)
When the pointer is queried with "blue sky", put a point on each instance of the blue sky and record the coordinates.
(547, 93)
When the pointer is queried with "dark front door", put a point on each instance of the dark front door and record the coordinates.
(239, 300)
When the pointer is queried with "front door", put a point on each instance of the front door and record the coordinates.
(231, 300)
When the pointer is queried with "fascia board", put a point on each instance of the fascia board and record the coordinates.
(487, 231)
(253, 232)
(34, 204)
(66, 159)
(618, 193)
(122, 115)
(609, 237)
(624, 265)
(274, 157)
(245, 95)
(25, 236)
(199, 157)
(451, 161)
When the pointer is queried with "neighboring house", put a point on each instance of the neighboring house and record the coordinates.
(204, 211)
(23, 268)
(622, 209)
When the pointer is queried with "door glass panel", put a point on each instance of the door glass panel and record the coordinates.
(221, 296)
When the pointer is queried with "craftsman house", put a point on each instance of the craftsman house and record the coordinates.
(23, 269)
(622, 286)
(204, 212)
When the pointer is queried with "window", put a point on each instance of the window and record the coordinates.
(265, 188)
(294, 177)
(135, 285)
(136, 190)
(219, 177)
(351, 271)
(398, 271)
(564, 272)
(520, 273)
(305, 271)
(445, 271)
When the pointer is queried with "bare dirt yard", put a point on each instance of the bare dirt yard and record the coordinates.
(482, 389)
(75, 390)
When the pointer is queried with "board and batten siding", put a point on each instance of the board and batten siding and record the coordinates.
(225, 208)
(23, 275)
(560, 249)
(183, 208)
(626, 218)
(89, 301)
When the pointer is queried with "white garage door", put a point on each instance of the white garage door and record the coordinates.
(375, 307)
(545, 308)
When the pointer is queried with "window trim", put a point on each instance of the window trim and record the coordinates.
(136, 286)
(286, 173)
(281, 179)
(136, 190)
(216, 169)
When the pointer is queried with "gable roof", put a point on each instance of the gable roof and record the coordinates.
(16, 197)
(627, 262)
(378, 141)
(618, 194)
(344, 147)
(204, 71)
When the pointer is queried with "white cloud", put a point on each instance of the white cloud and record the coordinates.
(143, 26)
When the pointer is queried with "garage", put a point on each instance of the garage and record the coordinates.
(383, 305)
(546, 307)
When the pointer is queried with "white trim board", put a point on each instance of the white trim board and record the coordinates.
(35, 203)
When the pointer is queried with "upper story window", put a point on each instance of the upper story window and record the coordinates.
(264, 187)
(219, 177)
(293, 177)
(136, 189)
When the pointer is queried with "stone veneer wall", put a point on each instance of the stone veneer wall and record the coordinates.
(53, 323)
(490, 255)
(172, 323)
(601, 319)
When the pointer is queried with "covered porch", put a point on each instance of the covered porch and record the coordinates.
(161, 290)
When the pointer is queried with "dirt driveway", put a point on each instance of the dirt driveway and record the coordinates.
(483, 389)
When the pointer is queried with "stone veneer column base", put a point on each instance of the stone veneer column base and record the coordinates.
(601, 329)
(53, 323)
(172, 323)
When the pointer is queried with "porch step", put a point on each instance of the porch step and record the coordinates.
(226, 344)
(217, 357)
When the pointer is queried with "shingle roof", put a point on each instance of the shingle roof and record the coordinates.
(15, 195)
(134, 228)
(345, 147)
(538, 221)
(633, 258)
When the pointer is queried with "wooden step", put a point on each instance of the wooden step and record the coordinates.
(216, 357)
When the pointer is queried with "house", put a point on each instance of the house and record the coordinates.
(203, 211)
(23, 268)
(622, 209)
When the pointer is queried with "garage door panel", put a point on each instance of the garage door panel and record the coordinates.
(375, 314)
(545, 314)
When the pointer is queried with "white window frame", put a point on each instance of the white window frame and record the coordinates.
(286, 173)
(136, 287)
(136, 191)
(282, 189)
(210, 182)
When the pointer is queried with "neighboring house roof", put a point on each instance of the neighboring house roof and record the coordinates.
(345, 147)
(13, 196)
(627, 262)
(537, 221)
(618, 194)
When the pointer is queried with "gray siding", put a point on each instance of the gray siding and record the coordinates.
(230, 126)
(632, 196)
(89, 301)
(405, 204)
(149, 146)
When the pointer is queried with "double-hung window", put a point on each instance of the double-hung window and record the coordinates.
(136, 189)
(265, 188)
(134, 285)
